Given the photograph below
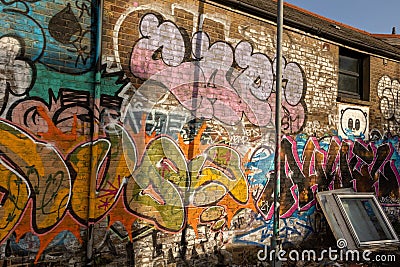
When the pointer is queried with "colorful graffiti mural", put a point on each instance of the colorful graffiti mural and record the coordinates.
(153, 190)
(167, 189)
(312, 165)
(197, 81)
(191, 147)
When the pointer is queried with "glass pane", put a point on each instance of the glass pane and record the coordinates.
(366, 219)
(348, 63)
(348, 84)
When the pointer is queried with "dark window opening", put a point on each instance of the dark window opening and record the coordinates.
(353, 74)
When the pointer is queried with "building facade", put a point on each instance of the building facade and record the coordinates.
(139, 133)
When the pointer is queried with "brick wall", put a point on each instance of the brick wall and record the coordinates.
(46, 113)
(168, 160)
(385, 74)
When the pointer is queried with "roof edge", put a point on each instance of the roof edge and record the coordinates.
(325, 18)
(268, 15)
(383, 35)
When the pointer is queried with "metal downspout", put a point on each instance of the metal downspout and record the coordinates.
(98, 11)
(277, 183)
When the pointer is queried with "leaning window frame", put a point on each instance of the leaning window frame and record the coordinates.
(377, 208)
(336, 219)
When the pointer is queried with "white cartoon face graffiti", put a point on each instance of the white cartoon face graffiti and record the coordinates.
(353, 122)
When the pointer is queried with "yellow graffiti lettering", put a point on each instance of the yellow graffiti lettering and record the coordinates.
(153, 193)
(15, 198)
(45, 170)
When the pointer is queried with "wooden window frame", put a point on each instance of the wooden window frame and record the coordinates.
(340, 224)
(363, 75)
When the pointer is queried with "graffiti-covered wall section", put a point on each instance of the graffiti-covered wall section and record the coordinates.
(46, 110)
(165, 155)
(201, 120)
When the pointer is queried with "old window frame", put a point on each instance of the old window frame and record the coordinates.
(362, 74)
(340, 223)
(379, 213)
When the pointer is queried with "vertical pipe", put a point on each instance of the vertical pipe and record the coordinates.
(195, 95)
(98, 20)
(278, 104)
